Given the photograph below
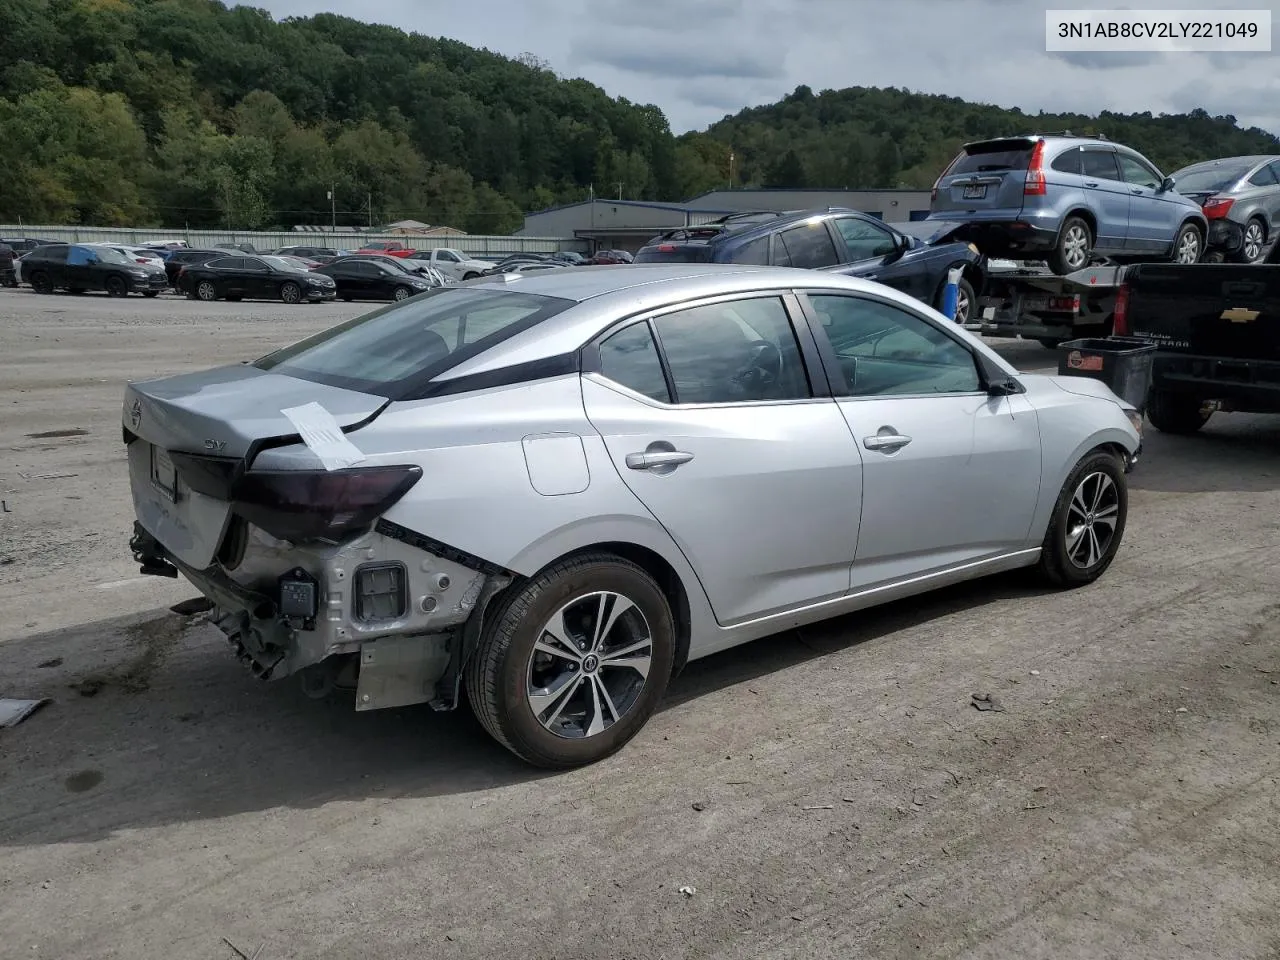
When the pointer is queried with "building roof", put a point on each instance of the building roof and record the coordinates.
(654, 205)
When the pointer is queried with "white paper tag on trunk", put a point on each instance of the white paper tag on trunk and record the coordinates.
(321, 433)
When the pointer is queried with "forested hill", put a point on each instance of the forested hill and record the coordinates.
(867, 137)
(151, 112)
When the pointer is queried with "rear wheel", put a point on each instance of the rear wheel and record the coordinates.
(1176, 412)
(1187, 246)
(1087, 523)
(1251, 245)
(402, 293)
(206, 291)
(41, 282)
(965, 299)
(573, 662)
(290, 292)
(116, 287)
(1074, 246)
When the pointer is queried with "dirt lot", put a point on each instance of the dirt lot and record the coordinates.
(850, 800)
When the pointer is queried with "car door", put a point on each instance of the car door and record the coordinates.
(1264, 186)
(709, 417)
(951, 474)
(1153, 218)
(1108, 197)
(258, 280)
(78, 271)
(876, 253)
(346, 279)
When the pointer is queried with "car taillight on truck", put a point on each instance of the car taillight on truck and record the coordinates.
(1035, 184)
(1120, 313)
(1215, 208)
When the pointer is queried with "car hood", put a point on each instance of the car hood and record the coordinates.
(930, 232)
(1079, 386)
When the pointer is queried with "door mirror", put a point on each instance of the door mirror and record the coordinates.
(1167, 184)
(995, 381)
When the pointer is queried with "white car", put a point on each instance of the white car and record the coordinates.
(451, 263)
(148, 258)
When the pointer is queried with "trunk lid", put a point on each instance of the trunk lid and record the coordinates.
(985, 178)
(222, 414)
(1212, 310)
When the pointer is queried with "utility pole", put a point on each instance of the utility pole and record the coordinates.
(369, 200)
(333, 207)
(730, 169)
(619, 189)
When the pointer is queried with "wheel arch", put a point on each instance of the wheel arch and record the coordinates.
(1055, 472)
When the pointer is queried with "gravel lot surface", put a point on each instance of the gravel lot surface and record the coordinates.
(823, 793)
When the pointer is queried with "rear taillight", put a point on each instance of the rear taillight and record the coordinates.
(1120, 315)
(933, 194)
(140, 260)
(1215, 208)
(328, 505)
(1035, 185)
(664, 247)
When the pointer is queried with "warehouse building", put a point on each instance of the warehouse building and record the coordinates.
(628, 224)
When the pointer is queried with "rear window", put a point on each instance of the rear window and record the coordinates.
(399, 348)
(1211, 179)
(993, 155)
(674, 253)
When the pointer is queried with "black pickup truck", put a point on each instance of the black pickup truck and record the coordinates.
(1217, 332)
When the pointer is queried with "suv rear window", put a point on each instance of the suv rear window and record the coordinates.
(674, 253)
(993, 155)
(400, 348)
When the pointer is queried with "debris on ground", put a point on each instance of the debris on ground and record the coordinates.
(189, 608)
(13, 712)
(688, 891)
(699, 805)
(46, 664)
(820, 806)
(985, 701)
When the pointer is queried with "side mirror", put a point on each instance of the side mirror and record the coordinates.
(995, 381)
(1167, 184)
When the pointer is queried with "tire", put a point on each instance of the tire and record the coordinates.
(1050, 343)
(290, 292)
(1188, 245)
(1177, 413)
(75, 291)
(965, 300)
(116, 287)
(1079, 545)
(502, 673)
(41, 282)
(206, 291)
(470, 276)
(401, 293)
(151, 294)
(346, 298)
(1253, 243)
(1073, 248)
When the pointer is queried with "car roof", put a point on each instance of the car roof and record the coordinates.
(1252, 161)
(757, 222)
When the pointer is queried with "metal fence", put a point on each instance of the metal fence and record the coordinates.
(480, 246)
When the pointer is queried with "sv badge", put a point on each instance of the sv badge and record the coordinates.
(215, 446)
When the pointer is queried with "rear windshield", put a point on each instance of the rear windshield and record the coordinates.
(674, 253)
(1211, 178)
(993, 155)
(399, 348)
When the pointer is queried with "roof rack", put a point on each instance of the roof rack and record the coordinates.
(1068, 133)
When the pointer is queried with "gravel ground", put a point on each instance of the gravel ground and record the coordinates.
(823, 793)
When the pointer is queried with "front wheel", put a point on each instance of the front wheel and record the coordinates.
(1074, 246)
(965, 299)
(116, 287)
(290, 292)
(1087, 523)
(1187, 247)
(402, 293)
(1178, 413)
(573, 662)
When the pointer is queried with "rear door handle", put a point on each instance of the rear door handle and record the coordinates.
(1091, 183)
(1137, 190)
(885, 441)
(660, 458)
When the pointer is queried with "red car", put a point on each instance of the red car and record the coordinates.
(390, 248)
(609, 257)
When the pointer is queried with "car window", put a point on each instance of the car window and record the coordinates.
(864, 240)
(808, 245)
(81, 256)
(992, 155)
(740, 350)
(630, 358)
(1100, 164)
(1275, 169)
(226, 263)
(1265, 177)
(885, 351)
(1137, 173)
(57, 254)
(446, 255)
(1068, 161)
(754, 252)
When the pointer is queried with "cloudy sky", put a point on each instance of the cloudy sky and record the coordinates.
(702, 59)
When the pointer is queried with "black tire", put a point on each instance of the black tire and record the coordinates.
(401, 293)
(1178, 413)
(75, 291)
(41, 282)
(470, 276)
(1073, 249)
(346, 298)
(116, 287)
(1180, 252)
(290, 292)
(206, 291)
(1255, 235)
(1050, 343)
(499, 672)
(1061, 551)
(151, 294)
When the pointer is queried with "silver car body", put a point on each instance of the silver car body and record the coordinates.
(1241, 197)
(780, 513)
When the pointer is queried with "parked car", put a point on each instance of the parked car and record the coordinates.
(609, 258)
(78, 267)
(452, 263)
(391, 248)
(361, 279)
(177, 260)
(1241, 198)
(254, 278)
(24, 245)
(243, 247)
(302, 262)
(166, 244)
(565, 555)
(837, 240)
(142, 255)
(417, 268)
(570, 257)
(1065, 198)
(318, 254)
(8, 272)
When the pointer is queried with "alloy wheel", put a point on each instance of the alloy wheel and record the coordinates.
(590, 664)
(1252, 241)
(290, 293)
(1075, 246)
(1091, 520)
(962, 306)
(401, 293)
(205, 291)
(1189, 247)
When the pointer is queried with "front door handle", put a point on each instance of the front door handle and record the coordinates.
(1091, 183)
(886, 441)
(657, 458)
(1137, 190)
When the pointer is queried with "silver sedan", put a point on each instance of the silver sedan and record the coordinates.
(555, 489)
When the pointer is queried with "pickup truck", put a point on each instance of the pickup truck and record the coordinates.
(1216, 328)
(390, 248)
(452, 263)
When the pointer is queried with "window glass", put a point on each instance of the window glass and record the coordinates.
(80, 256)
(1265, 177)
(56, 254)
(1137, 173)
(630, 358)
(886, 351)
(864, 240)
(808, 246)
(1068, 161)
(754, 252)
(447, 255)
(740, 350)
(1100, 164)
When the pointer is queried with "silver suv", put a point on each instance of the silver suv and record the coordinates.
(1065, 198)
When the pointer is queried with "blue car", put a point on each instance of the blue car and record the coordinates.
(834, 239)
(1065, 199)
